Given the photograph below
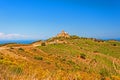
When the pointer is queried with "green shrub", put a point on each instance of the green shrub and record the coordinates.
(114, 44)
(1, 57)
(96, 51)
(57, 65)
(104, 72)
(62, 59)
(83, 56)
(43, 44)
(38, 58)
(11, 48)
(76, 67)
(48, 62)
(74, 37)
(70, 62)
(16, 70)
(21, 49)
(34, 49)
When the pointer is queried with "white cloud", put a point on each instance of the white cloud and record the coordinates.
(11, 36)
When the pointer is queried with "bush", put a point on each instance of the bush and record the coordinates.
(62, 59)
(75, 37)
(1, 57)
(48, 62)
(38, 58)
(114, 44)
(104, 72)
(83, 56)
(43, 44)
(11, 48)
(21, 49)
(70, 62)
(17, 70)
(96, 51)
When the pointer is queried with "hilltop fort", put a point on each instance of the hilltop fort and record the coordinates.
(63, 34)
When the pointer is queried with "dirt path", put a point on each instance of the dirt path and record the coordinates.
(5, 47)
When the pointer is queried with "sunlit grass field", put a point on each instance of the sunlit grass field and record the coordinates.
(78, 59)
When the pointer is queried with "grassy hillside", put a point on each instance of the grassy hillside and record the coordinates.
(74, 59)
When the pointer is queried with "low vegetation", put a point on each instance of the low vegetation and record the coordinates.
(77, 59)
(83, 56)
(38, 58)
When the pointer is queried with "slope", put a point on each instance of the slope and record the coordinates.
(71, 58)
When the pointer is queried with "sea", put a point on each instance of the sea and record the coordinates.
(28, 41)
(17, 41)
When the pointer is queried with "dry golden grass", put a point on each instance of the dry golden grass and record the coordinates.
(78, 59)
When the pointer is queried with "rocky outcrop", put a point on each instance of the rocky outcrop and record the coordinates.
(54, 40)
(63, 34)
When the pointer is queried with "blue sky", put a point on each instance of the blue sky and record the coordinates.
(40, 19)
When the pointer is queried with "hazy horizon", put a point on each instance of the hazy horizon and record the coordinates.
(42, 19)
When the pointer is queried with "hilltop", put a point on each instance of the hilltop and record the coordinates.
(63, 57)
(63, 34)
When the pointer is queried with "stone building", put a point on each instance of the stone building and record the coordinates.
(63, 34)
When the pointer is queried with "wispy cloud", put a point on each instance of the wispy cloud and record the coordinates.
(11, 36)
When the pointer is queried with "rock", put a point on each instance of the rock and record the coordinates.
(63, 34)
